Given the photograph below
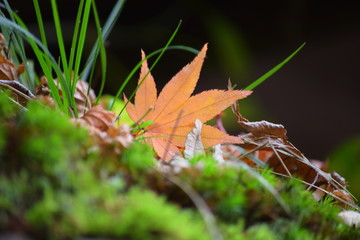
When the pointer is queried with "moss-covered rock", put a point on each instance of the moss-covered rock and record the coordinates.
(55, 184)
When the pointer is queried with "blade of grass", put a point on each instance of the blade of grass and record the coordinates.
(68, 95)
(108, 26)
(75, 34)
(59, 36)
(100, 46)
(152, 66)
(81, 42)
(41, 26)
(273, 70)
(40, 23)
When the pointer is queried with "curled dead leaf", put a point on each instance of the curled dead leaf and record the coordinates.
(98, 118)
(43, 89)
(114, 140)
(84, 97)
(264, 128)
(8, 70)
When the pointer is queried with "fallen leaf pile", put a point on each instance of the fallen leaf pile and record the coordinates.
(174, 111)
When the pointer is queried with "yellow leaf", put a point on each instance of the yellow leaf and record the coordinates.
(203, 106)
(177, 91)
(175, 110)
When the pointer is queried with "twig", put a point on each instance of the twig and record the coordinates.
(253, 150)
(321, 189)
(280, 159)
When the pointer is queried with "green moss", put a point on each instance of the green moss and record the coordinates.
(292, 230)
(147, 216)
(7, 107)
(57, 186)
(2, 140)
(208, 164)
(262, 231)
(138, 157)
(99, 210)
(49, 140)
(15, 196)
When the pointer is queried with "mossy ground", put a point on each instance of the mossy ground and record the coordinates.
(55, 185)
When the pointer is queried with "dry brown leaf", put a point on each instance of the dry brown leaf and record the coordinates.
(43, 89)
(114, 140)
(98, 118)
(84, 97)
(109, 139)
(264, 128)
(174, 111)
(8, 70)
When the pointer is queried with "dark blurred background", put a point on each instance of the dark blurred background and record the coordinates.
(315, 96)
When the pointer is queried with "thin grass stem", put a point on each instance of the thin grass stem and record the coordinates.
(59, 36)
(75, 34)
(273, 70)
(81, 42)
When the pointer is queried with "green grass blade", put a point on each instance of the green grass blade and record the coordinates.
(60, 39)
(41, 27)
(40, 22)
(75, 34)
(273, 70)
(101, 46)
(68, 93)
(81, 41)
(133, 72)
(108, 26)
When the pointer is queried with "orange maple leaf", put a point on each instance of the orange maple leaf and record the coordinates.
(174, 111)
